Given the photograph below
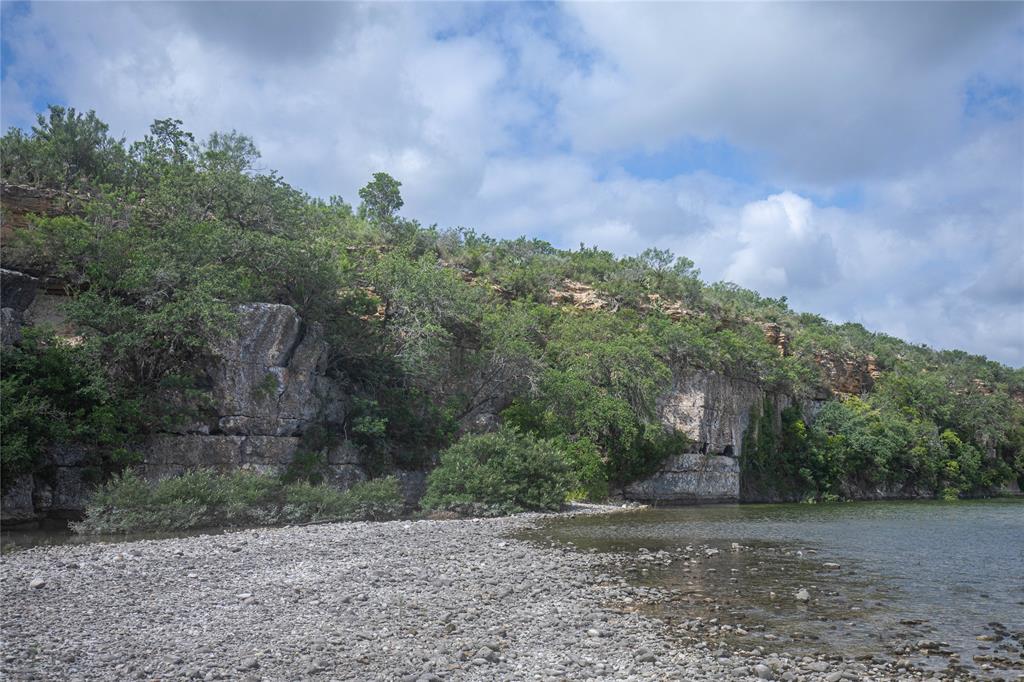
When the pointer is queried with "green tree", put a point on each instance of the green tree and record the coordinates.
(381, 199)
(65, 149)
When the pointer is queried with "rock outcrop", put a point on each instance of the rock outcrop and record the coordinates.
(715, 412)
(269, 379)
(58, 490)
(19, 202)
(690, 478)
(578, 295)
(712, 409)
(775, 336)
(17, 292)
(848, 375)
(267, 387)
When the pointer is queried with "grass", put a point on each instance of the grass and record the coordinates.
(206, 499)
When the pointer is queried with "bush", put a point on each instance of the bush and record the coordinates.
(54, 392)
(376, 500)
(205, 499)
(587, 469)
(499, 473)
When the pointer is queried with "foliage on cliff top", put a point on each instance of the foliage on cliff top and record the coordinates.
(430, 328)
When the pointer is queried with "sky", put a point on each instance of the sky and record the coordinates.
(865, 160)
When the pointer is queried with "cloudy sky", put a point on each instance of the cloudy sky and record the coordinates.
(865, 160)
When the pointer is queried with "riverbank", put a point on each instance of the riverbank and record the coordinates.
(403, 600)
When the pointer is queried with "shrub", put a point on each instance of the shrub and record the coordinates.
(204, 499)
(499, 473)
(587, 470)
(56, 392)
(376, 500)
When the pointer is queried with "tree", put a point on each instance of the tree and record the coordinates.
(65, 148)
(381, 200)
(231, 151)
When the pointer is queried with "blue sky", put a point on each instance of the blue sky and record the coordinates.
(865, 160)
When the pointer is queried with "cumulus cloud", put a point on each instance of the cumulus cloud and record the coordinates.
(519, 119)
(781, 247)
(831, 91)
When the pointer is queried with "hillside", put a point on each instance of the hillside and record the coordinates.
(146, 269)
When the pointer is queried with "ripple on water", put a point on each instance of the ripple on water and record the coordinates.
(935, 583)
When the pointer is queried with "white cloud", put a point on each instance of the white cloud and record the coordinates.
(781, 248)
(830, 91)
(509, 119)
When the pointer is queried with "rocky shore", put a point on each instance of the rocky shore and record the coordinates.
(404, 600)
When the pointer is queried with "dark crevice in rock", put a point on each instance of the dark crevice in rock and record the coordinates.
(289, 352)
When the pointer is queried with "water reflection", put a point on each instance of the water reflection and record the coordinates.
(941, 585)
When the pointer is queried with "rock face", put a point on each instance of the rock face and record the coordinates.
(17, 291)
(714, 411)
(18, 202)
(174, 454)
(269, 380)
(267, 387)
(690, 478)
(848, 376)
(58, 491)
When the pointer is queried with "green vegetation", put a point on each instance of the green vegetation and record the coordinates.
(205, 499)
(498, 473)
(55, 392)
(434, 332)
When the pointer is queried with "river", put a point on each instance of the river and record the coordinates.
(938, 584)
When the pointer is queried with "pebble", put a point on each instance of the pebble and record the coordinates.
(420, 601)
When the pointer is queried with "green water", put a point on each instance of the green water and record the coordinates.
(58, 533)
(908, 571)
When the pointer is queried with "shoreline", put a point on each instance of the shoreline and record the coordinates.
(398, 600)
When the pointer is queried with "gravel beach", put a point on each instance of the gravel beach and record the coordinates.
(404, 600)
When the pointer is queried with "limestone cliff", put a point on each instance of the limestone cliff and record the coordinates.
(715, 411)
(17, 292)
(845, 375)
(267, 387)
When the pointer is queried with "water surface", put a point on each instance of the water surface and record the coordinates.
(923, 575)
